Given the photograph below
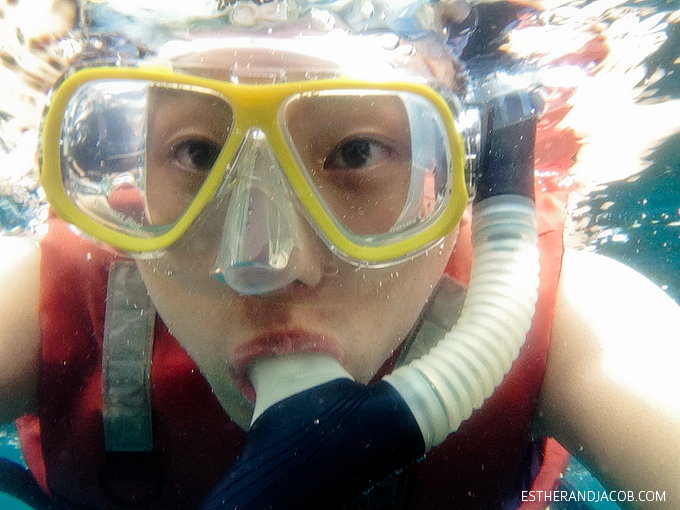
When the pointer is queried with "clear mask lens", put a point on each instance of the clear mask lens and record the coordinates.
(378, 160)
(134, 154)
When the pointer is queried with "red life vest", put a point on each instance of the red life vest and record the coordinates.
(477, 467)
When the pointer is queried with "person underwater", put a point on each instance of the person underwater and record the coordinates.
(244, 300)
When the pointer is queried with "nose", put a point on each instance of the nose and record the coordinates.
(266, 244)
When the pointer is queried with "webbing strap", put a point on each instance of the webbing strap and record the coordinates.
(436, 320)
(126, 363)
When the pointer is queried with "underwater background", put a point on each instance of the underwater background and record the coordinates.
(609, 69)
(619, 58)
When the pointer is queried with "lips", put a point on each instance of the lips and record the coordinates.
(279, 344)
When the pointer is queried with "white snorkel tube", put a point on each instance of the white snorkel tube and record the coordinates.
(310, 414)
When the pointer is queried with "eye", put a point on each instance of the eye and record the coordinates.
(196, 155)
(356, 154)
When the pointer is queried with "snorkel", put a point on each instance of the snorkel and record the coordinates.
(310, 414)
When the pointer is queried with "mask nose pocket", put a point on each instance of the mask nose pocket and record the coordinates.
(261, 231)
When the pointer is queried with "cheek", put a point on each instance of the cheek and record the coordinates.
(386, 310)
(183, 279)
(191, 259)
(412, 282)
(199, 312)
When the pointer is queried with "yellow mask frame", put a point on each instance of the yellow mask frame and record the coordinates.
(254, 106)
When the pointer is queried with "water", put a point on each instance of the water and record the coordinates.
(638, 222)
(628, 203)
(636, 218)
(10, 450)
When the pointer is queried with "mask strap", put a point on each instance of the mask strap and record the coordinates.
(126, 393)
(436, 320)
(128, 339)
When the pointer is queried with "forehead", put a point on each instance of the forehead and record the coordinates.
(272, 60)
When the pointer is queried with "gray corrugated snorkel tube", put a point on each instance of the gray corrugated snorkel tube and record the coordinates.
(444, 387)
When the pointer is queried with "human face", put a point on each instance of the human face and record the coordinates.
(358, 315)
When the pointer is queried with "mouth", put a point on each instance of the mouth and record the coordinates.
(279, 343)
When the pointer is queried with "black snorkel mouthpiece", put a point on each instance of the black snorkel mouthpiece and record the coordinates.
(319, 448)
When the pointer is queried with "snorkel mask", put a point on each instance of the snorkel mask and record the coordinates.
(140, 144)
(133, 155)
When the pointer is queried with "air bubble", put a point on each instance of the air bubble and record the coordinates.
(389, 41)
(367, 10)
(408, 50)
(244, 15)
(322, 20)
